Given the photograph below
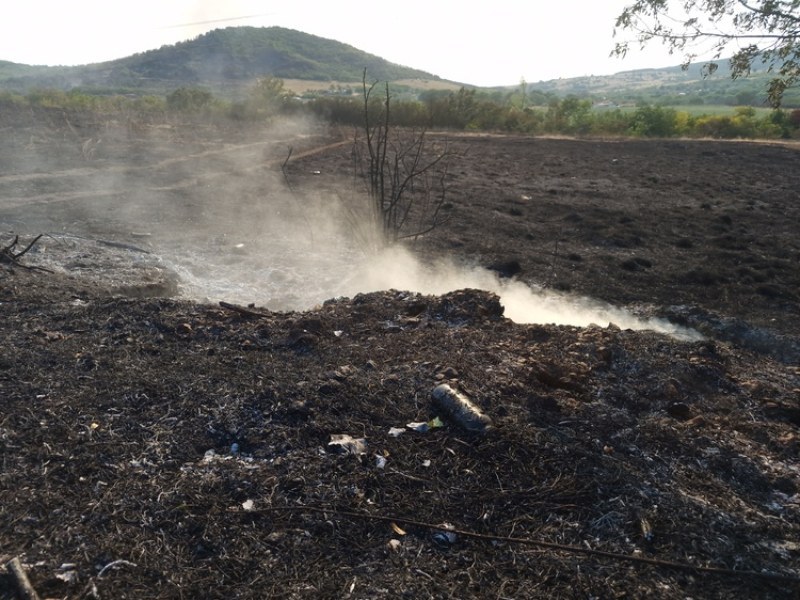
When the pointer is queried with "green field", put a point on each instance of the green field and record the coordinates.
(697, 110)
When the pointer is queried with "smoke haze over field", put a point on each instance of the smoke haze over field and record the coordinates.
(222, 217)
(313, 248)
(335, 268)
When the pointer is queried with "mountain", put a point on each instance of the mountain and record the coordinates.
(227, 61)
(224, 57)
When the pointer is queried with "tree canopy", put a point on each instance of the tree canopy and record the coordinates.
(751, 32)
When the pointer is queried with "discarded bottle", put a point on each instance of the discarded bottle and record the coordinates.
(460, 409)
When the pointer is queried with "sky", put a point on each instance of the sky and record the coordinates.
(482, 43)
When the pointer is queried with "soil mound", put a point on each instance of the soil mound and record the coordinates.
(154, 448)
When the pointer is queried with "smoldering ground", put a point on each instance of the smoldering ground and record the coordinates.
(121, 415)
(225, 219)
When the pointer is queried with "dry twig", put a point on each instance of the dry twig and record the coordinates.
(9, 256)
(792, 579)
(17, 571)
(248, 312)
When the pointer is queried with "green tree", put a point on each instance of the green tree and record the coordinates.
(462, 108)
(189, 100)
(268, 96)
(654, 121)
(570, 115)
(755, 32)
(611, 122)
(519, 99)
(747, 98)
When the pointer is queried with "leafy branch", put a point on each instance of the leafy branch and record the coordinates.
(769, 29)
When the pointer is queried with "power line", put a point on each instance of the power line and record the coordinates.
(212, 21)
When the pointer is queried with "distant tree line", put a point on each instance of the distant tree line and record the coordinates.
(519, 111)
(471, 110)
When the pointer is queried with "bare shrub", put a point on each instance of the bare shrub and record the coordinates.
(405, 174)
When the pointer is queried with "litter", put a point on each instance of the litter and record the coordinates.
(445, 537)
(459, 408)
(341, 443)
(423, 426)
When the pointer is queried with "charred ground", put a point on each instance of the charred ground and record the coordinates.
(119, 414)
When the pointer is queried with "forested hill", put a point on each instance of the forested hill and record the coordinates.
(227, 62)
(230, 55)
(239, 53)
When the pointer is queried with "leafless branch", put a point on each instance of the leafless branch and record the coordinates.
(404, 180)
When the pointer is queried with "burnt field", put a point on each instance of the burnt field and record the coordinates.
(196, 328)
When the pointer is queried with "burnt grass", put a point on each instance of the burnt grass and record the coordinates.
(153, 447)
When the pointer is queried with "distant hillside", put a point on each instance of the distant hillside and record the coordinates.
(227, 61)
(223, 57)
(636, 79)
(671, 85)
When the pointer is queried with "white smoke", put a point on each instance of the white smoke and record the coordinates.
(300, 281)
(397, 268)
(222, 217)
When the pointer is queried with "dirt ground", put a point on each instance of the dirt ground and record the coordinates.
(157, 447)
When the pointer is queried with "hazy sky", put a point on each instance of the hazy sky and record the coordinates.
(481, 43)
